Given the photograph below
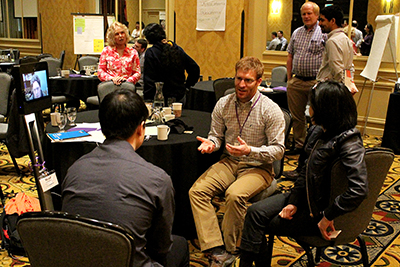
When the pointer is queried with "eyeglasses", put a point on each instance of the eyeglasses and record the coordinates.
(246, 81)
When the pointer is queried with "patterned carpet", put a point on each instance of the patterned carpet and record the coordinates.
(382, 235)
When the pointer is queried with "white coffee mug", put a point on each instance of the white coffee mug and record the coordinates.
(162, 132)
(54, 117)
(177, 108)
(169, 117)
(167, 110)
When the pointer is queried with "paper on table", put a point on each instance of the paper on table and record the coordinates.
(87, 127)
(150, 130)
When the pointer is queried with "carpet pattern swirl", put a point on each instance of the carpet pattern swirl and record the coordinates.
(381, 236)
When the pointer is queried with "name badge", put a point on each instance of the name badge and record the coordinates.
(48, 182)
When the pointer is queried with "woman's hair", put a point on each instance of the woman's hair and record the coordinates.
(35, 78)
(370, 28)
(154, 33)
(111, 33)
(120, 113)
(334, 107)
(171, 54)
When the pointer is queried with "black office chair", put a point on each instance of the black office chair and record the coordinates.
(352, 224)
(107, 87)
(5, 87)
(221, 85)
(87, 61)
(278, 164)
(28, 59)
(279, 76)
(63, 240)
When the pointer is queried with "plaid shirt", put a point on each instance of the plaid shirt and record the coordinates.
(306, 48)
(112, 65)
(263, 130)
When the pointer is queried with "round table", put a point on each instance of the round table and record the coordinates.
(201, 97)
(178, 156)
(78, 87)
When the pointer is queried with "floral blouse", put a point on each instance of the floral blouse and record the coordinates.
(112, 65)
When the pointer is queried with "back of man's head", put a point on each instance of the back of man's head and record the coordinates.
(120, 113)
(333, 12)
(354, 23)
(274, 34)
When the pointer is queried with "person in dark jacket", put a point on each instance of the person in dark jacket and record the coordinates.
(167, 62)
(306, 210)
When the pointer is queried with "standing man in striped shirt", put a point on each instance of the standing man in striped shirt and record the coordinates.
(304, 59)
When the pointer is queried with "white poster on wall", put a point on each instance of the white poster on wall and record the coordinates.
(211, 15)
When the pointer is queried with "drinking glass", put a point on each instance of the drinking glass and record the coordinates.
(268, 82)
(71, 113)
(62, 121)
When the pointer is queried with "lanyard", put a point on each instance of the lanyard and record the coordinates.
(237, 116)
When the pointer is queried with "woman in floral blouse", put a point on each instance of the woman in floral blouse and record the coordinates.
(118, 62)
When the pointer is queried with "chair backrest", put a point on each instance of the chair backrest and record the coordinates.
(53, 64)
(28, 59)
(279, 74)
(278, 164)
(62, 56)
(61, 239)
(87, 61)
(107, 87)
(378, 161)
(221, 85)
(43, 55)
(5, 85)
(278, 47)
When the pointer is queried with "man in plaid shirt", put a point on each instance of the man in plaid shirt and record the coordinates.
(250, 128)
(304, 59)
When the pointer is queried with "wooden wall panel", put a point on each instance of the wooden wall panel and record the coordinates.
(57, 32)
(215, 52)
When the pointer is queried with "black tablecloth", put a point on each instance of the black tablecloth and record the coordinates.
(178, 156)
(201, 96)
(77, 87)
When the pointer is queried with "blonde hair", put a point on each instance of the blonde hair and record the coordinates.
(314, 5)
(111, 33)
(250, 63)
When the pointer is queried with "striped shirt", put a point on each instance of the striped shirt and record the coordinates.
(263, 130)
(306, 48)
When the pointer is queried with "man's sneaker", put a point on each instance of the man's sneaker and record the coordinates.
(223, 259)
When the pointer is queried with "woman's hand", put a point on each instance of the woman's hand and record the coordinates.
(325, 224)
(288, 212)
(118, 80)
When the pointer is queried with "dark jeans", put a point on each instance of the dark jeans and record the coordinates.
(262, 218)
(179, 254)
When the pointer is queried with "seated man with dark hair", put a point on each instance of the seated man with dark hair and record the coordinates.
(113, 183)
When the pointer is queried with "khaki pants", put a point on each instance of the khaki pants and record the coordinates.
(297, 94)
(240, 182)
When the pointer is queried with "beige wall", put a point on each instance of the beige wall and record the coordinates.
(215, 52)
(57, 31)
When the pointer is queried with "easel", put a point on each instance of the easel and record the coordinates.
(46, 202)
(386, 27)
